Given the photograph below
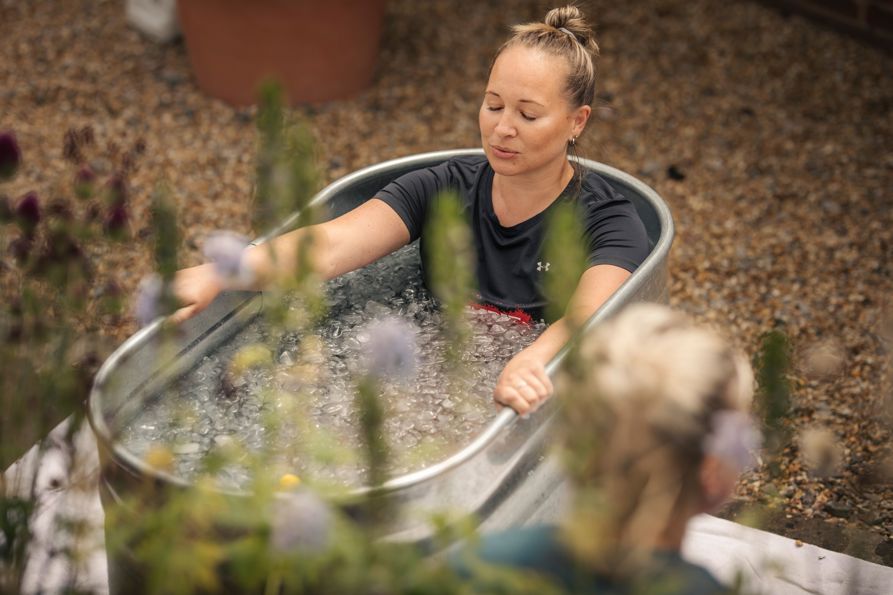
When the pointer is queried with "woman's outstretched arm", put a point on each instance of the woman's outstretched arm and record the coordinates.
(523, 384)
(353, 240)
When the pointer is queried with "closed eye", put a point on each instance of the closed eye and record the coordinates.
(528, 118)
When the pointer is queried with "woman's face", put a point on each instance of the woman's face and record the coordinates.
(526, 119)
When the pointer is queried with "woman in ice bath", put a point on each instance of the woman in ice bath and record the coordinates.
(536, 104)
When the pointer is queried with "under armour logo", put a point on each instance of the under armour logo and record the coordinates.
(543, 266)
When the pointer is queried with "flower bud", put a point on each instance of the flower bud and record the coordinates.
(84, 181)
(115, 223)
(27, 212)
(10, 155)
(117, 190)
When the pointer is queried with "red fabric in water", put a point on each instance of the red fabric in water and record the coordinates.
(517, 313)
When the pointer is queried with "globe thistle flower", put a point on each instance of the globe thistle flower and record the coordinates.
(147, 306)
(226, 249)
(27, 212)
(301, 523)
(390, 349)
(733, 438)
(10, 155)
(84, 181)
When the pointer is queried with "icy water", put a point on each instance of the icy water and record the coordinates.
(298, 415)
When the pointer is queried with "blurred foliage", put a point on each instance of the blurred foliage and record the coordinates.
(773, 398)
(451, 266)
(565, 252)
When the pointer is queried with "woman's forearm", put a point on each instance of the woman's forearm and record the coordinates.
(279, 258)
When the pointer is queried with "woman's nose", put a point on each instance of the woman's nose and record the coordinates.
(505, 127)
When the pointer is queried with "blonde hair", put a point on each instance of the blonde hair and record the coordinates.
(640, 396)
(564, 32)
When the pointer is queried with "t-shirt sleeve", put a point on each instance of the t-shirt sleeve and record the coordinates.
(615, 233)
(411, 194)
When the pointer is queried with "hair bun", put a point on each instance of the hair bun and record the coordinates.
(571, 19)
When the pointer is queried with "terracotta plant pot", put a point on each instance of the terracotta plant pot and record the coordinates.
(317, 49)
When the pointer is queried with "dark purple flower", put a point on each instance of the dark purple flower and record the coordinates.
(301, 522)
(147, 306)
(117, 190)
(71, 147)
(115, 223)
(21, 248)
(27, 212)
(10, 155)
(84, 181)
(226, 249)
(389, 349)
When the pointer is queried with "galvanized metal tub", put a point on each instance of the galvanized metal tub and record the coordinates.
(503, 476)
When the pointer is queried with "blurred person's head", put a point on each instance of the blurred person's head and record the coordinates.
(655, 430)
(539, 93)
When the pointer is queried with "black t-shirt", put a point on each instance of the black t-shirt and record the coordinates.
(511, 269)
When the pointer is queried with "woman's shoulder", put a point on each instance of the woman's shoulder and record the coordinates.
(596, 189)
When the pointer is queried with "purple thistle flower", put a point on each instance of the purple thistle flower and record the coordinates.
(28, 212)
(301, 522)
(10, 155)
(226, 250)
(115, 223)
(733, 438)
(147, 306)
(84, 181)
(390, 350)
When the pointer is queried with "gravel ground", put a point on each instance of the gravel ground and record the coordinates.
(770, 138)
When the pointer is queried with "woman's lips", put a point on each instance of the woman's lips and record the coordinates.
(503, 153)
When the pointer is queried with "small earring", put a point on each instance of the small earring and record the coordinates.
(573, 141)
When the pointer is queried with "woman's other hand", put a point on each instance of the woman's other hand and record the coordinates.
(523, 384)
(195, 288)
